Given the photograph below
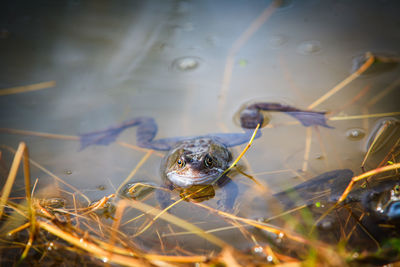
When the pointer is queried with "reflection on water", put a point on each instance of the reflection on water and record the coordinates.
(171, 61)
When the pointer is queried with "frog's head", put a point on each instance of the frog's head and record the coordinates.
(385, 203)
(198, 161)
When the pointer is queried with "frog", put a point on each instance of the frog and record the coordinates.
(383, 201)
(195, 167)
(200, 161)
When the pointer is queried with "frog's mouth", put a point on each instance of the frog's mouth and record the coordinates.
(191, 178)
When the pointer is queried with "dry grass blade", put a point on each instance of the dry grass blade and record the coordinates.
(98, 204)
(236, 46)
(27, 88)
(345, 82)
(70, 138)
(264, 226)
(40, 134)
(137, 148)
(37, 165)
(241, 154)
(21, 154)
(31, 210)
(148, 225)
(215, 230)
(177, 221)
(392, 86)
(114, 254)
(94, 249)
(118, 217)
(134, 171)
(202, 188)
(307, 149)
(259, 185)
(364, 116)
(19, 228)
(366, 175)
(323, 248)
(375, 140)
(11, 176)
(351, 184)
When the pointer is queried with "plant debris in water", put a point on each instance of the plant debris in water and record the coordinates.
(48, 227)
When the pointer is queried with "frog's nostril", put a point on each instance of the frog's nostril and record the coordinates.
(188, 159)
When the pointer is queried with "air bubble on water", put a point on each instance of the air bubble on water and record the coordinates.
(50, 246)
(280, 237)
(309, 47)
(319, 156)
(185, 64)
(355, 134)
(258, 249)
(325, 224)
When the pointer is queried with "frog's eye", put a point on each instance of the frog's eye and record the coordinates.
(208, 161)
(181, 163)
(397, 189)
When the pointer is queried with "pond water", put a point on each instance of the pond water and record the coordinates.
(191, 65)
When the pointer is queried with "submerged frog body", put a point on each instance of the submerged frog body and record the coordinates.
(380, 200)
(200, 160)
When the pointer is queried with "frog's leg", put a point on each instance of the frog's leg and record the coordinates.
(230, 191)
(251, 116)
(164, 196)
(147, 130)
(164, 144)
(307, 192)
